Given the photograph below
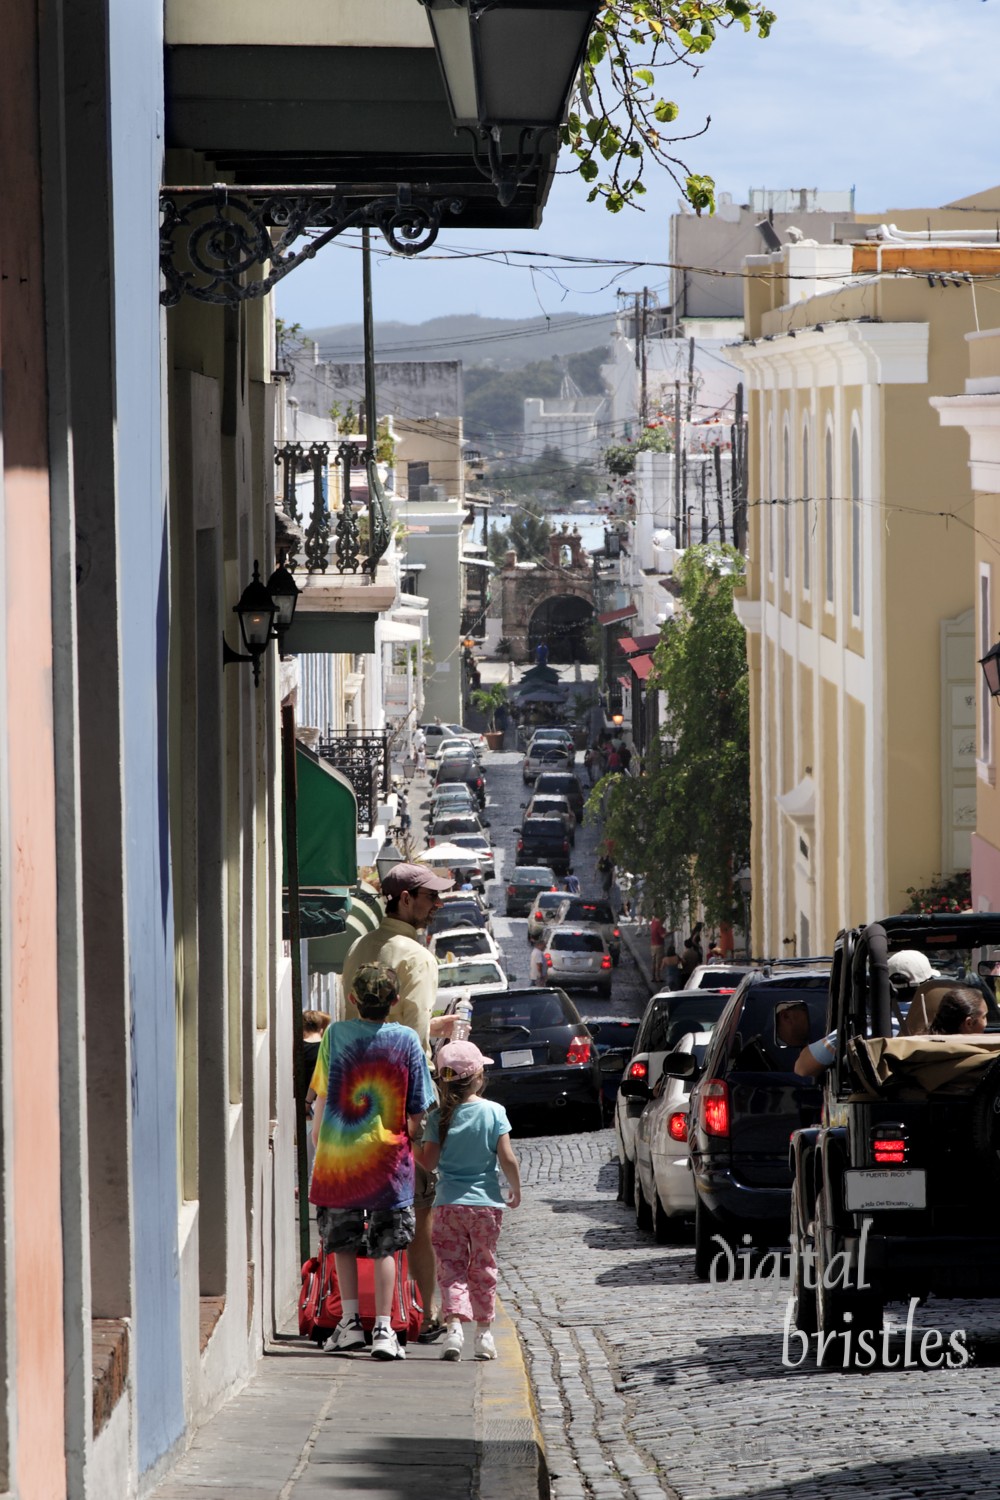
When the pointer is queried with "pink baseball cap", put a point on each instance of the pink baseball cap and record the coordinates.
(460, 1060)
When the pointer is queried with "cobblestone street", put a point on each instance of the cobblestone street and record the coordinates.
(651, 1383)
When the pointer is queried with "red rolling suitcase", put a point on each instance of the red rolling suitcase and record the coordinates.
(319, 1301)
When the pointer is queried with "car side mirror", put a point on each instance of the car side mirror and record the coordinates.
(511, 976)
(680, 1065)
(634, 1088)
(612, 1062)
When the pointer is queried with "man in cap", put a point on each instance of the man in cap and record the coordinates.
(375, 1088)
(412, 895)
(908, 969)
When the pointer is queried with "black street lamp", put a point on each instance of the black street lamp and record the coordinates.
(990, 664)
(509, 63)
(256, 611)
(285, 592)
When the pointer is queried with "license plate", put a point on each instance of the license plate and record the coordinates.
(517, 1059)
(874, 1190)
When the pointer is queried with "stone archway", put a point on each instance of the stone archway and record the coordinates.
(562, 622)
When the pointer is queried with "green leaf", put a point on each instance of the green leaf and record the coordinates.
(611, 145)
(701, 43)
(598, 47)
(765, 21)
(685, 37)
(639, 187)
(614, 203)
(633, 149)
(588, 169)
(700, 192)
(665, 111)
(592, 194)
(645, 76)
(595, 128)
(574, 124)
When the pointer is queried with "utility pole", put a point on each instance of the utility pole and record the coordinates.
(643, 391)
(690, 416)
(678, 444)
(739, 517)
(717, 456)
(704, 501)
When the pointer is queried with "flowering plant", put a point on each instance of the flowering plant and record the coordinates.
(945, 893)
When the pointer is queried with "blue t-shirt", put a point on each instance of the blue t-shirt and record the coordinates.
(467, 1170)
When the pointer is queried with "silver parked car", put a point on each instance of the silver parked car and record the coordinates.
(576, 957)
(664, 1186)
(544, 912)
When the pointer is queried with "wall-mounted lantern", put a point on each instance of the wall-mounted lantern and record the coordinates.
(265, 612)
(990, 664)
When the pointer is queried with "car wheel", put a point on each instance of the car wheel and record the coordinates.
(593, 1117)
(666, 1231)
(714, 1245)
(643, 1212)
(841, 1310)
(803, 1296)
(626, 1181)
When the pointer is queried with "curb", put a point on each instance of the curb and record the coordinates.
(512, 1466)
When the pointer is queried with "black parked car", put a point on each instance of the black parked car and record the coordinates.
(524, 885)
(543, 840)
(544, 1057)
(614, 1037)
(747, 1103)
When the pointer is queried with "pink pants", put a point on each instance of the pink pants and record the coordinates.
(465, 1242)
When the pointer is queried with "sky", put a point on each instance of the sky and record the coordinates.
(895, 98)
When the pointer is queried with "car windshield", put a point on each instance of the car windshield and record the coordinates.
(494, 1013)
(548, 900)
(452, 975)
(576, 942)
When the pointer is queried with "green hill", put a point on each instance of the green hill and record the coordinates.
(505, 343)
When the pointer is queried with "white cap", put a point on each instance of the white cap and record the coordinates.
(910, 968)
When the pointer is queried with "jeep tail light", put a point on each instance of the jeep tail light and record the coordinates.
(616, 933)
(579, 1050)
(565, 846)
(512, 890)
(677, 1127)
(606, 961)
(520, 846)
(639, 1070)
(890, 1147)
(714, 1099)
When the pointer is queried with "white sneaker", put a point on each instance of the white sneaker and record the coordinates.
(485, 1347)
(345, 1337)
(453, 1342)
(385, 1345)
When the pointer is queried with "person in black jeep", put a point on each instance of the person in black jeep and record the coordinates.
(959, 1013)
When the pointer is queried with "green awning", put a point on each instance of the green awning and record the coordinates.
(327, 954)
(330, 631)
(327, 820)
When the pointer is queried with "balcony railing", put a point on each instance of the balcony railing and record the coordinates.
(364, 759)
(358, 539)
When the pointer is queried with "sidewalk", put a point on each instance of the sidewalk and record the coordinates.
(312, 1425)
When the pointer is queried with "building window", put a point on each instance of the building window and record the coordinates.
(417, 474)
(830, 524)
(855, 525)
(985, 642)
(786, 504)
(806, 515)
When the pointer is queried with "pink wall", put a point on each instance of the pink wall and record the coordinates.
(30, 881)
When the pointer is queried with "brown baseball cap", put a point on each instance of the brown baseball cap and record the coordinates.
(404, 877)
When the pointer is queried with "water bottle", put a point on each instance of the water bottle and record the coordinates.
(463, 1020)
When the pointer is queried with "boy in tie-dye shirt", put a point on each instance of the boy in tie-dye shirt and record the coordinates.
(374, 1085)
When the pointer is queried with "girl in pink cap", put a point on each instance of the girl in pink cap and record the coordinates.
(466, 1138)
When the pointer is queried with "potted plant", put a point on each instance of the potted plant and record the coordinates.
(489, 701)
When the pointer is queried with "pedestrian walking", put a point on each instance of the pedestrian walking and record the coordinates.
(657, 939)
(670, 969)
(537, 967)
(466, 1139)
(412, 895)
(419, 749)
(606, 870)
(572, 883)
(591, 762)
(373, 1078)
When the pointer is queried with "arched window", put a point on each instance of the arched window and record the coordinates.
(786, 504)
(855, 524)
(806, 515)
(830, 526)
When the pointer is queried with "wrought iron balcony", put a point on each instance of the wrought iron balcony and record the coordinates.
(357, 538)
(364, 759)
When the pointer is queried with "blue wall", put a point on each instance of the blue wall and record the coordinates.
(136, 145)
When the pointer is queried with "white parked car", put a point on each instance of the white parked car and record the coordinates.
(463, 942)
(664, 1185)
(716, 976)
(467, 977)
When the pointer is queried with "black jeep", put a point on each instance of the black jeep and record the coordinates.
(897, 1191)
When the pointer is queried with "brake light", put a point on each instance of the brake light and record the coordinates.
(638, 1070)
(520, 846)
(553, 887)
(677, 1127)
(548, 960)
(715, 1107)
(616, 933)
(579, 1050)
(565, 846)
(606, 961)
(538, 916)
(890, 1147)
(430, 842)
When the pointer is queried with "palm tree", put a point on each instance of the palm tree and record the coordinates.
(488, 700)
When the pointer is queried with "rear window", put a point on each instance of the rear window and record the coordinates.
(589, 911)
(456, 825)
(718, 978)
(496, 1013)
(556, 781)
(532, 875)
(675, 1016)
(471, 973)
(462, 944)
(577, 942)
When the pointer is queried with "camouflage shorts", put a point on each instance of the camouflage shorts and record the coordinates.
(378, 1232)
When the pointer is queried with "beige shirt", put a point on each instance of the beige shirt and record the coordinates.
(393, 943)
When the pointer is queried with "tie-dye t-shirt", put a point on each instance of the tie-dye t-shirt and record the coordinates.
(372, 1075)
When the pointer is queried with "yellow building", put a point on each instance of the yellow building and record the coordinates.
(858, 599)
(977, 411)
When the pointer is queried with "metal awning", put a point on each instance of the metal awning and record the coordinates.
(641, 666)
(327, 954)
(398, 630)
(627, 644)
(627, 612)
